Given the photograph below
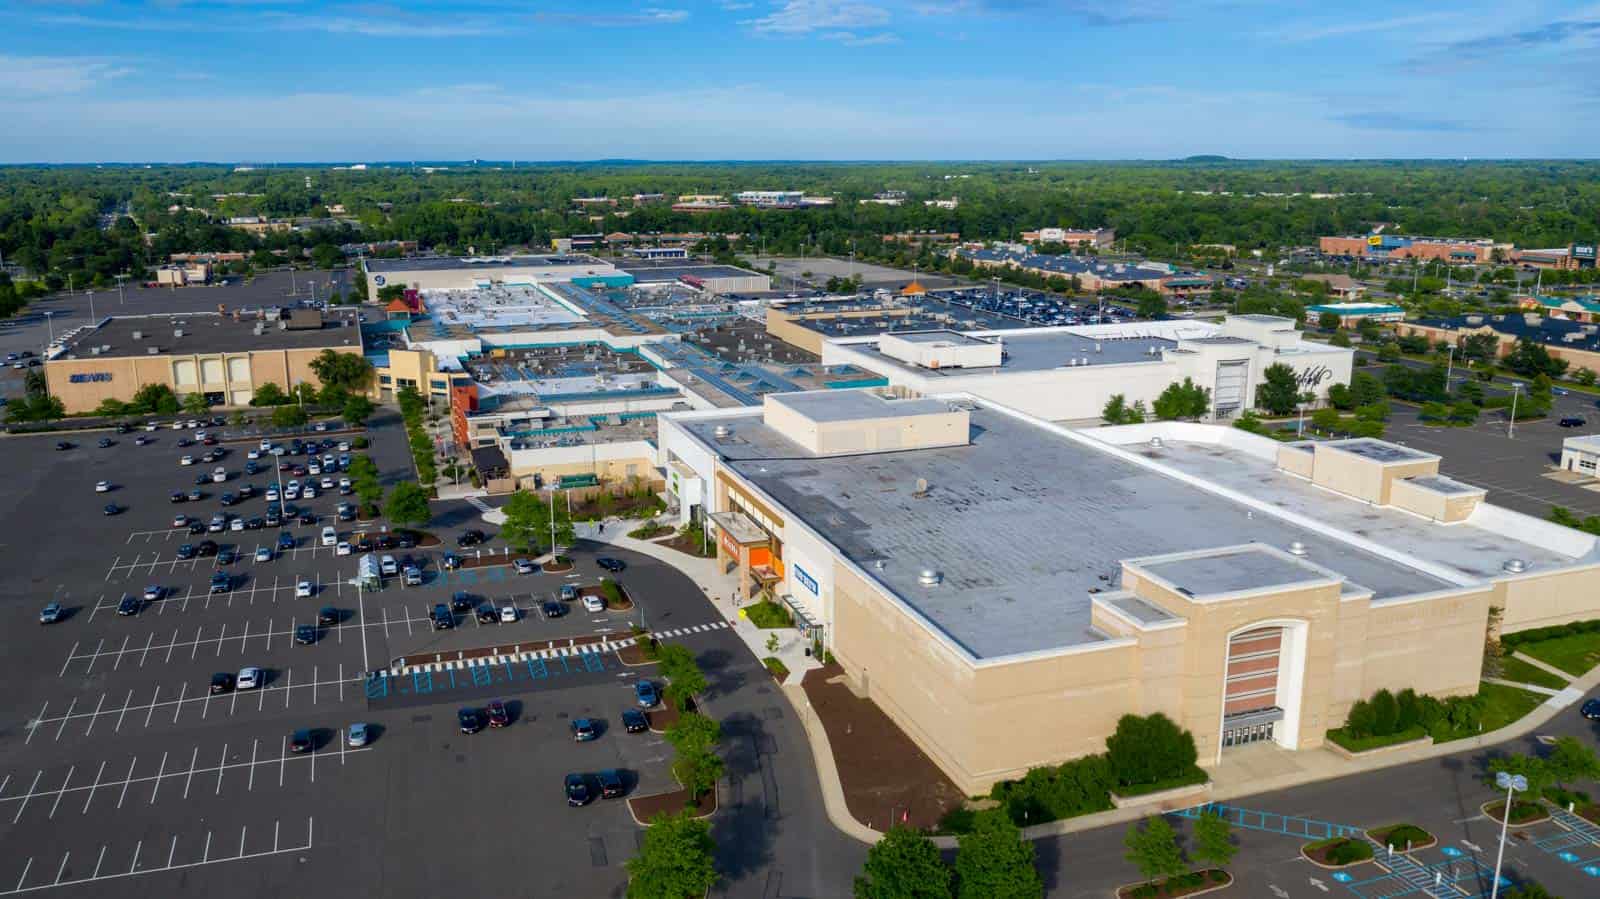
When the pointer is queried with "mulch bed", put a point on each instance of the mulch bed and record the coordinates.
(554, 567)
(1213, 879)
(456, 655)
(884, 774)
(595, 590)
(486, 561)
(1321, 851)
(653, 532)
(634, 655)
(646, 807)
(1590, 812)
(664, 716)
(688, 547)
(1523, 812)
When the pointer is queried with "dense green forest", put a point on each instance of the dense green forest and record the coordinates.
(92, 223)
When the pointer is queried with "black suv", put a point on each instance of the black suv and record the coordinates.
(461, 601)
(471, 722)
(442, 619)
(1573, 421)
(129, 605)
(488, 615)
(470, 538)
(610, 783)
(186, 551)
(221, 682)
(305, 634)
(327, 615)
(578, 792)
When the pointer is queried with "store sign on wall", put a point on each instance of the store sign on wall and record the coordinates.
(89, 377)
(805, 579)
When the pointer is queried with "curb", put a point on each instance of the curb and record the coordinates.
(1221, 886)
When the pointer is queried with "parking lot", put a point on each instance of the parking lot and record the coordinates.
(122, 773)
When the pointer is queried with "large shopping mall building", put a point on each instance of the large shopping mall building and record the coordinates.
(1005, 588)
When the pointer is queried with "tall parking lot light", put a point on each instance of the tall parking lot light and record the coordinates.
(1513, 784)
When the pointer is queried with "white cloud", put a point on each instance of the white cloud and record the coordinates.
(851, 39)
(1309, 31)
(805, 16)
(43, 76)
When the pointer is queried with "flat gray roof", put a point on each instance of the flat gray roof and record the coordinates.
(1231, 571)
(1142, 611)
(1041, 352)
(848, 405)
(1379, 450)
(1021, 546)
(943, 335)
(1438, 483)
(647, 271)
(207, 332)
(487, 263)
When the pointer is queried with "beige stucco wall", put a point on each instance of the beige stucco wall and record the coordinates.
(1296, 460)
(1433, 646)
(1542, 599)
(215, 372)
(1412, 498)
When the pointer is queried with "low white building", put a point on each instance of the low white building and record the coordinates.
(1581, 454)
(1068, 373)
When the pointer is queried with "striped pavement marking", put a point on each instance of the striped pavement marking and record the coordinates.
(554, 651)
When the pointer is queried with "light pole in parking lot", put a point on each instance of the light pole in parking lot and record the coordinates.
(1449, 362)
(1512, 784)
(1511, 426)
(49, 319)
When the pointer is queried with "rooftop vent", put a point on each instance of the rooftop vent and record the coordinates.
(880, 564)
(1514, 566)
(929, 578)
(152, 350)
(177, 332)
(722, 431)
(1296, 548)
(138, 335)
(922, 487)
(1155, 443)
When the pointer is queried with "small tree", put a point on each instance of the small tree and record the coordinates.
(675, 860)
(1115, 410)
(269, 394)
(357, 409)
(903, 865)
(1385, 713)
(407, 504)
(683, 674)
(1213, 840)
(995, 862)
(1569, 760)
(1279, 390)
(289, 416)
(1339, 339)
(196, 404)
(527, 520)
(1154, 850)
(1328, 321)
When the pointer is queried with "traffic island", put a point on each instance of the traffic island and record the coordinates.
(1191, 884)
(643, 808)
(1338, 852)
(667, 714)
(776, 668)
(1402, 837)
(557, 565)
(591, 643)
(886, 778)
(1522, 812)
(614, 594)
(642, 651)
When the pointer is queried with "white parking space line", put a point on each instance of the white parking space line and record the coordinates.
(33, 726)
(154, 698)
(125, 703)
(93, 787)
(128, 779)
(27, 796)
(62, 791)
(160, 772)
(65, 718)
(135, 871)
(71, 654)
(121, 652)
(190, 779)
(95, 655)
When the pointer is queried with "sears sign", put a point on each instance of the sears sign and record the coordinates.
(809, 582)
(89, 377)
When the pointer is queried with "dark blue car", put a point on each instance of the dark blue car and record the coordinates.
(646, 693)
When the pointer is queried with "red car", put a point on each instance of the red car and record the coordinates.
(498, 716)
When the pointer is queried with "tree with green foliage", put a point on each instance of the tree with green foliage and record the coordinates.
(1365, 388)
(1584, 376)
(904, 864)
(326, 255)
(684, 678)
(1328, 321)
(693, 730)
(993, 861)
(289, 417)
(527, 521)
(1213, 840)
(1185, 400)
(1339, 339)
(357, 409)
(407, 505)
(1529, 889)
(1529, 359)
(1279, 390)
(157, 398)
(1325, 420)
(675, 861)
(1149, 749)
(1153, 849)
(196, 404)
(1463, 413)
(1570, 760)
(1115, 409)
(1151, 305)
(1388, 352)
(269, 394)
(350, 372)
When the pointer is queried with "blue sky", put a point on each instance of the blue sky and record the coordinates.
(281, 80)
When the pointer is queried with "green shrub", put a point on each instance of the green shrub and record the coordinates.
(1050, 793)
(957, 820)
(1402, 835)
(1149, 750)
(1385, 714)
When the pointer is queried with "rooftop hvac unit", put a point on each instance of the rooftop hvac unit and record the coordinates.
(152, 350)
(138, 335)
(177, 332)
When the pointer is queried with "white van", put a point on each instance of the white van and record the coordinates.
(388, 566)
(330, 537)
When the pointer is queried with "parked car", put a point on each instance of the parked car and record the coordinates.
(207, 548)
(220, 583)
(647, 694)
(451, 562)
(327, 615)
(611, 786)
(442, 619)
(185, 552)
(584, 730)
(569, 592)
(593, 603)
(508, 613)
(461, 601)
(1573, 421)
(129, 605)
(305, 634)
(469, 721)
(227, 555)
(498, 716)
(358, 735)
(302, 589)
(221, 682)
(301, 741)
(263, 554)
(487, 614)
(553, 609)
(285, 541)
(523, 566)
(51, 613)
(471, 537)
(610, 564)
(634, 721)
(577, 789)
(102, 486)
(249, 678)
(154, 592)
(1591, 709)
(112, 509)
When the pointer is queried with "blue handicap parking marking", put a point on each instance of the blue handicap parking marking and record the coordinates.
(497, 574)
(482, 676)
(537, 669)
(593, 662)
(1568, 857)
(377, 686)
(1342, 876)
(509, 675)
(1592, 870)
(1451, 851)
(452, 673)
(422, 681)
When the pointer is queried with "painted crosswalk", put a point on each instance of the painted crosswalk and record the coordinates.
(554, 652)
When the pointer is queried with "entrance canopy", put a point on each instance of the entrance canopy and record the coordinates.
(737, 527)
